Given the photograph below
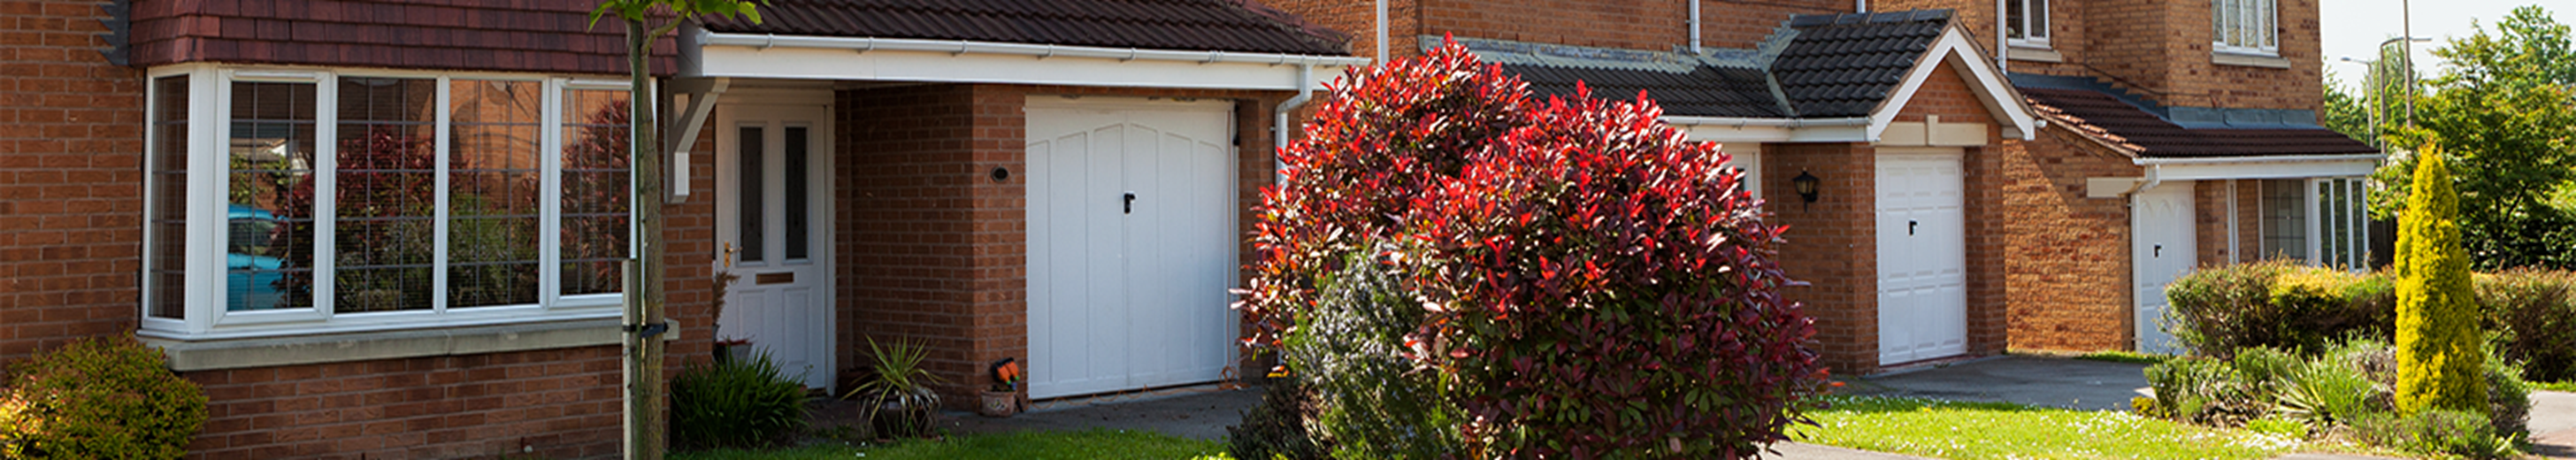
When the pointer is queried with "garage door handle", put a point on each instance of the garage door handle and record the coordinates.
(1131, 203)
(2160, 251)
(1909, 227)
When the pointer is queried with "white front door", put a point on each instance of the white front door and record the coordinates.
(773, 214)
(1922, 256)
(2162, 247)
(1132, 243)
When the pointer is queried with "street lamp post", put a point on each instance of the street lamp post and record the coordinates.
(2370, 85)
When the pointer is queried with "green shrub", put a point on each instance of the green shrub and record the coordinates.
(2532, 316)
(2436, 431)
(99, 398)
(2439, 359)
(2508, 399)
(2277, 303)
(1349, 351)
(735, 403)
(2324, 392)
(1275, 428)
(2202, 390)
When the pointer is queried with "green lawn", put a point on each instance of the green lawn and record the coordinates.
(1964, 431)
(1094, 444)
(2554, 386)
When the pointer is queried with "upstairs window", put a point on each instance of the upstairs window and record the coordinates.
(2244, 26)
(291, 201)
(2026, 22)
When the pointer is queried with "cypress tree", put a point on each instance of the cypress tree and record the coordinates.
(2438, 358)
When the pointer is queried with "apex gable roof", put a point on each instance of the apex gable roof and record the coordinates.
(1212, 25)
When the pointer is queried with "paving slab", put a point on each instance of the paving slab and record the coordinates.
(1197, 412)
(2034, 380)
(2553, 424)
(1804, 451)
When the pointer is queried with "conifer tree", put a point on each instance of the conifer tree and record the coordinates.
(2438, 358)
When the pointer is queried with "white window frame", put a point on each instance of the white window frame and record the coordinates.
(2032, 37)
(1746, 156)
(2262, 18)
(2352, 251)
(209, 126)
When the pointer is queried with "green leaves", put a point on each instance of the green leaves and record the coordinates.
(2506, 116)
(680, 10)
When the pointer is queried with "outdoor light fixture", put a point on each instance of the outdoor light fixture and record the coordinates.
(1806, 183)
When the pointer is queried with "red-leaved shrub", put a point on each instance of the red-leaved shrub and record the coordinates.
(1591, 283)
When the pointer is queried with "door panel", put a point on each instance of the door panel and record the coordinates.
(2162, 248)
(772, 212)
(1922, 257)
(1131, 227)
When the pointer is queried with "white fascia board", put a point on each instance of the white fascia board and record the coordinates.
(1734, 129)
(956, 61)
(2271, 167)
(1993, 91)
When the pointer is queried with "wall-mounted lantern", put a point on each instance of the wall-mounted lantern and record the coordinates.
(1806, 184)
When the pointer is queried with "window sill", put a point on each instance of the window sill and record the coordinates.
(2027, 53)
(199, 355)
(2249, 60)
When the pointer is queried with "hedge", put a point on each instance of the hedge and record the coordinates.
(2529, 315)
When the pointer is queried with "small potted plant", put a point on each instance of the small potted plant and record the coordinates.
(1003, 398)
(897, 400)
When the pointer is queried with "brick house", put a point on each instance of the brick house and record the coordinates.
(1056, 181)
(392, 229)
(1966, 204)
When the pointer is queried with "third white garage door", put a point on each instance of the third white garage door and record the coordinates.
(1922, 256)
(1131, 227)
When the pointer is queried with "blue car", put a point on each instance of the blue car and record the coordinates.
(250, 270)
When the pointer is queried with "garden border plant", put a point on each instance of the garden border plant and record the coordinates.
(1570, 276)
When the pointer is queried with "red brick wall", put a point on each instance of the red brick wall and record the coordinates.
(1946, 94)
(1745, 23)
(548, 403)
(1832, 245)
(71, 182)
(2163, 48)
(931, 248)
(2067, 262)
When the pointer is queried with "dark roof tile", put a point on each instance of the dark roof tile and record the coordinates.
(1220, 25)
(1845, 65)
(2101, 116)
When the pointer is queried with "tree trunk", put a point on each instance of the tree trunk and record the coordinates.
(644, 382)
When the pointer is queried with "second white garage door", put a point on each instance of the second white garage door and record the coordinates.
(1922, 256)
(1131, 227)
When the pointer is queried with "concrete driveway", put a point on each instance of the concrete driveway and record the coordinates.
(2033, 380)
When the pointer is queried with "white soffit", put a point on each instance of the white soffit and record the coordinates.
(955, 61)
(1952, 49)
(2273, 167)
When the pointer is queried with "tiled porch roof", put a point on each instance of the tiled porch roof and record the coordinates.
(2116, 122)
(1814, 66)
(1197, 25)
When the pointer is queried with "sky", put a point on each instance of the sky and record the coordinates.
(2356, 27)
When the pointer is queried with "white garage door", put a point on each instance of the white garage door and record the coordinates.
(2162, 249)
(1131, 227)
(1922, 256)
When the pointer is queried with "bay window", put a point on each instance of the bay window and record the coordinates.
(299, 201)
(2245, 26)
(2322, 221)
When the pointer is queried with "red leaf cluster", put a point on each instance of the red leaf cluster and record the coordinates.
(1595, 284)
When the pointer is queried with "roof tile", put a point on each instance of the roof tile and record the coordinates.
(1219, 25)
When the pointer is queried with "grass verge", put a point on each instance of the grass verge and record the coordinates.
(1035, 445)
(2555, 386)
(1974, 430)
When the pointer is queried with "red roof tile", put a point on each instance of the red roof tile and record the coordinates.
(2103, 117)
(1221, 25)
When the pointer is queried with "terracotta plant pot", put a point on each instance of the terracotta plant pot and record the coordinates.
(999, 403)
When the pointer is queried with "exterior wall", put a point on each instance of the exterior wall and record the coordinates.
(71, 180)
(932, 249)
(1834, 243)
(1654, 26)
(2067, 262)
(548, 403)
(2162, 49)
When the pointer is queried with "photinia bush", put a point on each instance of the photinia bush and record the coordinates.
(1588, 282)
